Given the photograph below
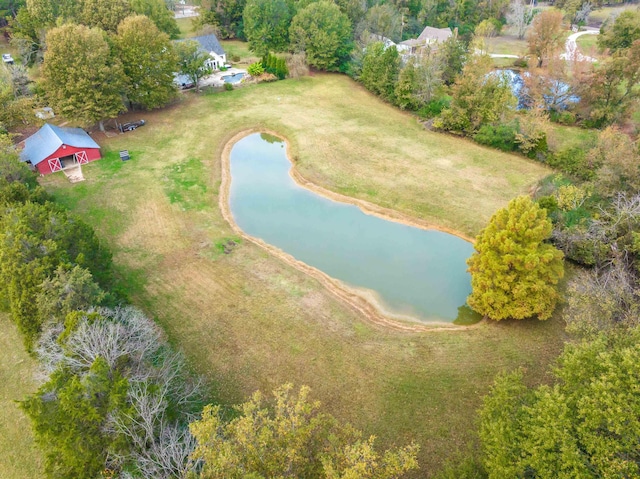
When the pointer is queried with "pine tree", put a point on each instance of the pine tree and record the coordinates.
(514, 273)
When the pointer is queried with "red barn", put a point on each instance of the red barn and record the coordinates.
(54, 148)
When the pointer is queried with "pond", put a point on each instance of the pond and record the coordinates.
(516, 82)
(235, 78)
(412, 272)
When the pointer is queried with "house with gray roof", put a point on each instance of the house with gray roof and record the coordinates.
(210, 45)
(427, 41)
(53, 148)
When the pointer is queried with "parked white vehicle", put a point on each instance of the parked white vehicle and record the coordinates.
(7, 58)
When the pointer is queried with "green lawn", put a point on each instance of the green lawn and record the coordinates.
(507, 45)
(19, 458)
(247, 320)
(186, 27)
(588, 45)
(239, 49)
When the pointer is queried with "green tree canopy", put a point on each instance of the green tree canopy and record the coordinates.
(69, 413)
(514, 273)
(34, 240)
(585, 425)
(380, 68)
(479, 97)
(191, 60)
(148, 61)
(81, 79)
(324, 33)
(266, 25)
(624, 31)
(158, 12)
(291, 439)
(105, 14)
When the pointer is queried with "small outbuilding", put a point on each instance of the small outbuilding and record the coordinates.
(54, 148)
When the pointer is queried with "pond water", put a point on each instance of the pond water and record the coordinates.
(516, 81)
(235, 78)
(411, 271)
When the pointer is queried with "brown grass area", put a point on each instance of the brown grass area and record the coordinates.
(248, 320)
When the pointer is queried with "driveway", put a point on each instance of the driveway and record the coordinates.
(571, 51)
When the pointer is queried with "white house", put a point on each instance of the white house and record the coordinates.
(429, 37)
(211, 45)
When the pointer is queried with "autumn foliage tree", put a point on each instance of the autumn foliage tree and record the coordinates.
(290, 439)
(514, 273)
(546, 35)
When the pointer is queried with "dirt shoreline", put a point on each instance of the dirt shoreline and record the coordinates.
(360, 301)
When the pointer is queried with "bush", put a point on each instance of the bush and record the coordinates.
(255, 69)
(235, 58)
(563, 117)
(521, 62)
(434, 107)
(572, 161)
(502, 137)
(228, 87)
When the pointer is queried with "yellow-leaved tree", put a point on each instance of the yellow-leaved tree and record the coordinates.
(290, 438)
(514, 272)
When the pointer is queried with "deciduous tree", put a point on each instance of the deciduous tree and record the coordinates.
(622, 33)
(546, 35)
(105, 14)
(266, 25)
(158, 12)
(148, 61)
(324, 33)
(291, 439)
(519, 17)
(192, 60)
(81, 79)
(584, 425)
(514, 273)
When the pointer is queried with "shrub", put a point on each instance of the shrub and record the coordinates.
(563, 117)
(502, 137)
(255, 69)
(228, 87)
(572, 161)
(235, 58)
(521, 62)
(434, 107)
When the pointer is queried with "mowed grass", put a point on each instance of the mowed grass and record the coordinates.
(248, 321)
(507, 45)
(238, 49)
(19, 457)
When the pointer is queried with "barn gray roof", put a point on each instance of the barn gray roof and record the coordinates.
(49, 138)
(208, 43)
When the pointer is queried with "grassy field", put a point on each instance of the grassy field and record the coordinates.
(507, 45)
(19, 458)
(248, 321)
(597, 17)
(186, 27)
(240, 49)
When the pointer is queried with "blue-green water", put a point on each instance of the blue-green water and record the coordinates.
(415, 272)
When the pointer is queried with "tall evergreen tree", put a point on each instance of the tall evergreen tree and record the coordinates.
(514, 273)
